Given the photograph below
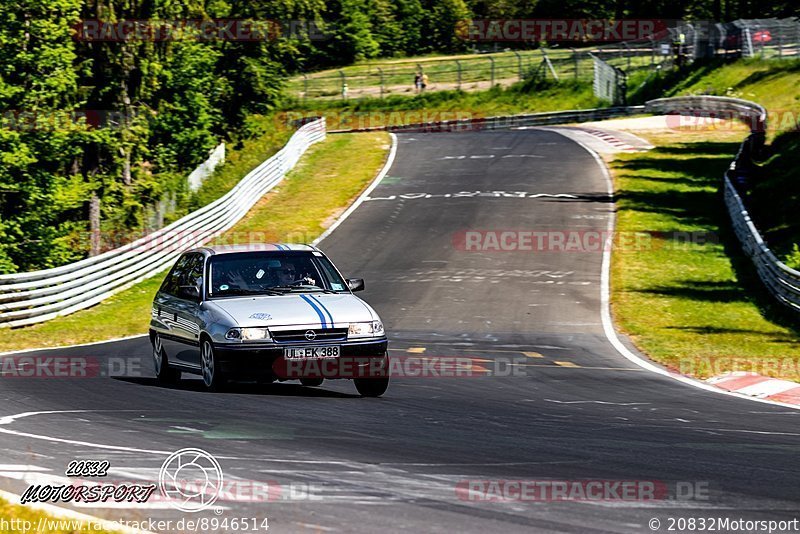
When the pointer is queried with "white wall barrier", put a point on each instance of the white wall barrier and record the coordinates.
(38, 296)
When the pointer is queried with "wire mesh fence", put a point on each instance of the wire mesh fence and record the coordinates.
(678, 45)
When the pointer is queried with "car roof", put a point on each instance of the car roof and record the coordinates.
(256, 247)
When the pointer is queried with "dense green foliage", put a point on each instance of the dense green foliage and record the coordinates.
(153, 109)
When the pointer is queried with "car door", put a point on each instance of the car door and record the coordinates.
(180, 314)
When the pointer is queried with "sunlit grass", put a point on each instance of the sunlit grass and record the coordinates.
(20, 516)
(695, 306)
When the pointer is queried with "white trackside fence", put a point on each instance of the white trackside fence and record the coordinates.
(38, 296)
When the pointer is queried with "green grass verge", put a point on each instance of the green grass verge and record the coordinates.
(323, 184)
(697, 307)
(51, 525)
(700, 307)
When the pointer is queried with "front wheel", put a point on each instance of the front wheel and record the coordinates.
(213, 378)
(371, 387)
(164, 373)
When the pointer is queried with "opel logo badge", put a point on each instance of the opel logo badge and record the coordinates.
(311, 335)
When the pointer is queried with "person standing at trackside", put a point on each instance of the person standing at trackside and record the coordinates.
(424, 83)
(417, 82)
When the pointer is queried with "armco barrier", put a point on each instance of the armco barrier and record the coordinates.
(37, 296)
(508, 121)
(780, 280)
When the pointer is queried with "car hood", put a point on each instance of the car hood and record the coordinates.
(319, 310)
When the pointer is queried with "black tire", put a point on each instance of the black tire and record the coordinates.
(213, 378)
(164, 373)
(371, 387)
(312, 382)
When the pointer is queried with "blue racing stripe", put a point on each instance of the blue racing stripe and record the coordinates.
(316, 309)
(280, 247)
(327, 311)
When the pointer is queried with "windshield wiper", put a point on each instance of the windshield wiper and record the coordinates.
(244, 292)
(301, 287)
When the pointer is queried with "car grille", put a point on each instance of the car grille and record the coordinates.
(299, 336)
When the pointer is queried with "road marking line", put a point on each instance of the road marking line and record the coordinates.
(566, 364)
(416, 350)
(37, 349)
(531, 354)
(364, 195)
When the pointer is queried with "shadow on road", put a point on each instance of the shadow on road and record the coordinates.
(243, 388)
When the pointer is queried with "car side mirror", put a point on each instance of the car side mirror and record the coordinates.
(189, 293)
(355, 284)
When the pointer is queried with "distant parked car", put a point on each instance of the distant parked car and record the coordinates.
(277, 312)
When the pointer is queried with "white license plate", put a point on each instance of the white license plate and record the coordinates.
(311, 353)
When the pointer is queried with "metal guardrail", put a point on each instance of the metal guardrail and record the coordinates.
(38, 296)
(508, 121)
(780, 280)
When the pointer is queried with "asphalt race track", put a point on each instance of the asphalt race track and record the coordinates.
(564, 407)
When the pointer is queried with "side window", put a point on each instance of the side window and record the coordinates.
(194, 272)
(173, 280)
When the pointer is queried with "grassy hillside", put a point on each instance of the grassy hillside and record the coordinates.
(526, 97)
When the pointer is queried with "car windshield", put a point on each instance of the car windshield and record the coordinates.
(272, 273)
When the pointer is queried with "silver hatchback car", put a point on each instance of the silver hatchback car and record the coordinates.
(266, 312)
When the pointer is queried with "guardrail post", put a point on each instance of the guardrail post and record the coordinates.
(458, 74)
(627, 53)
(519, 64)
(380, 73)
(305, 87)
(491, 59)
(344, 84)
(796, 36)
(652, 52)
(575, 61)
(549, 64)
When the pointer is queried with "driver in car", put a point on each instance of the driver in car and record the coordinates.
(286, 274)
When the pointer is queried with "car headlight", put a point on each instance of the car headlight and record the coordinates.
(370, 329)
(248, 334)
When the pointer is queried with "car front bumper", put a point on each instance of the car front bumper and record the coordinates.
(263, 360)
